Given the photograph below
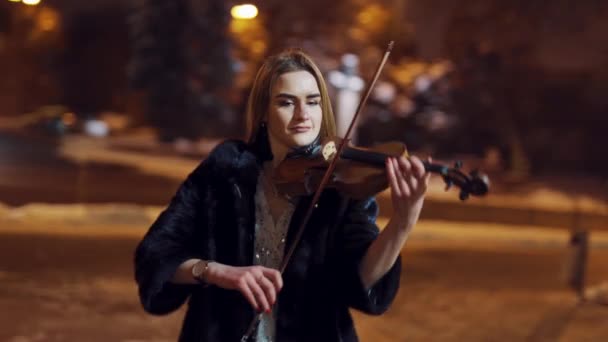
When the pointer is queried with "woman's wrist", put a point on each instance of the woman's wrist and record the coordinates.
(200, 271)
(401, 223)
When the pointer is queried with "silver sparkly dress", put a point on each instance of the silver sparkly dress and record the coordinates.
(270, 242)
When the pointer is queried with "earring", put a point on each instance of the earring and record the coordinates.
(262, 131)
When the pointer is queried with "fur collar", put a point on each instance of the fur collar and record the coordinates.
(235, 161)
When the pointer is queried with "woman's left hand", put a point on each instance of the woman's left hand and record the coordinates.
(408, 181)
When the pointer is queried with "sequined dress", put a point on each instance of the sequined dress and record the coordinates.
(270, 241)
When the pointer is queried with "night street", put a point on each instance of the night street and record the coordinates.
(457, 284)
(107, 106)
(31, 170)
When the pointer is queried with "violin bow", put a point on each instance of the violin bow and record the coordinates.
(324, 181)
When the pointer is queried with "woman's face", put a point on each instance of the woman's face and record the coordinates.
(295, 112)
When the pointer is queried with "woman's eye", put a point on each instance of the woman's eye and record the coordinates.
(314, 103)
(285, 103)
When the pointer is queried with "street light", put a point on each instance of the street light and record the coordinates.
(31, 2)
(245, 11)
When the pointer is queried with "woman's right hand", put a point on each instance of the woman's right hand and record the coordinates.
(260, 285)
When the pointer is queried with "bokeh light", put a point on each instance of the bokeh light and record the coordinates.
(31, 2)
(246, 11)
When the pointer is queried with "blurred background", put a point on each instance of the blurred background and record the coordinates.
(106, 106)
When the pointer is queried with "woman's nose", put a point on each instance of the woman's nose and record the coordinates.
(302, 112)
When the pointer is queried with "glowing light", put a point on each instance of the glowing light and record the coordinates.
(14, 0)
(69, 118)
(31, 2)
(48, 19)
(372, 18)
(246, 11)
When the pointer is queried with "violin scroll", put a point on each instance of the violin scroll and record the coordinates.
(475, 183)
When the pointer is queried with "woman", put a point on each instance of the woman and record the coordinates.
(223, 236)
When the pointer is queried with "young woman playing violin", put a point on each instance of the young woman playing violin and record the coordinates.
(221, 240)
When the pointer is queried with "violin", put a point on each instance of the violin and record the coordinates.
(361, 172)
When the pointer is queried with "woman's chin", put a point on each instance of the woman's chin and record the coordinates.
(299, 140)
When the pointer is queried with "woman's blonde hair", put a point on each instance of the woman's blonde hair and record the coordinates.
(259, 97)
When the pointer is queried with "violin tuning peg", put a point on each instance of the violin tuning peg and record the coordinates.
(463, 195)
(458, 164)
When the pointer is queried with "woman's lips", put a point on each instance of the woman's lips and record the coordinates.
(301, 129)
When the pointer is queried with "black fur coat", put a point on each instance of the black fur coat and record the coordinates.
(212, 217)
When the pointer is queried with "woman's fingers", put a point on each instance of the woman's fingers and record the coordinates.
(246, 290)
(274, 276)
(269, 290)
(417, 167)
(421, 174)
(259, 294)
(392, 177)
(265, 283)
(406, 169)
(414, 175)
(402, 167)
(260, 285)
